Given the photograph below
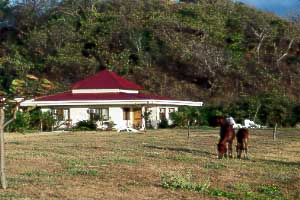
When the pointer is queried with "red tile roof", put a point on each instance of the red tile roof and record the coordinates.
(100, 96)
(106, 80)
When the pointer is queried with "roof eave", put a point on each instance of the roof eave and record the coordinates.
(32, 103)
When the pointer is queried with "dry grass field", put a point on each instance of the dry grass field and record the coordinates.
(160, 164)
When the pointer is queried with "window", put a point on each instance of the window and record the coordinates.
(61, 114)
(171, 110)
(105, 114)
(126, 113)
(162, 113)
(99, 114)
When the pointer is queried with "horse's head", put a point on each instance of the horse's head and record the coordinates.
(217, 121)
(221, 150)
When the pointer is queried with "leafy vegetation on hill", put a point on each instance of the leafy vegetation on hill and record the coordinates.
(203, 50)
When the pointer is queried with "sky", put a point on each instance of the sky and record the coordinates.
(279, 7)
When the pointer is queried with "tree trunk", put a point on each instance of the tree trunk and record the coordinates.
(41, 127)
(256, 112)
(3, 124)
(188, 128)
(275, 132)
(2, 154)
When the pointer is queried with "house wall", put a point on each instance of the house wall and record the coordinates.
(78, 114)
(46, 110)
(116, 115)
(155, 112)
(155, 118)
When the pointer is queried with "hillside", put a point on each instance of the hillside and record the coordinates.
(205, 50)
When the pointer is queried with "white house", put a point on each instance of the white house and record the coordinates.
(106, 97)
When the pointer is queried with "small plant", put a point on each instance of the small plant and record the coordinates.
(243, 187)
(221, 193)
(214, 166)
(124, 160)
(37, 173)
(153, 155)
(77, 167)
(75, 163)
(11, 196)
(270, 190)
(87, 172)
(174, 182)
(16, 142)
(181, 158)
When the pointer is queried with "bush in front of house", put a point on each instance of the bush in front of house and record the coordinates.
(85, 125)
(47, 120)
(163, 123)
(39, 119)
(33, 120)
(21, 124)
(186, 116)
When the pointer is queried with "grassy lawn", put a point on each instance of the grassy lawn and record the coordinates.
(161, 164)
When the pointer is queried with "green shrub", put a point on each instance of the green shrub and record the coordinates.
(21, 124)
(48, 121)
(178, 119)
(185, 115)
(163, 123)
(85, 125)
(37, 117)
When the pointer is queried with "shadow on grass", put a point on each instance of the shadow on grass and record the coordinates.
(278, 162)
(180, 149)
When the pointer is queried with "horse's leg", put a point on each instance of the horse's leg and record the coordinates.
(238, 150)
(230, 149)
(220, 155)
(245, 147)
(226, 150)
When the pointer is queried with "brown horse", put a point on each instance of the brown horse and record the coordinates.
(242, 142)
(227, 136)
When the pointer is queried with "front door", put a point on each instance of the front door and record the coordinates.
(137, 117)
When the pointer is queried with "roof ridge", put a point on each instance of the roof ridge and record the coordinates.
(113, 75)
(106, 80)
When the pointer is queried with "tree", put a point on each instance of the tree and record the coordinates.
(277, 115)
(4, 10)
(146, 117)
(186, 117)
(28, 87)
(4, 123)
